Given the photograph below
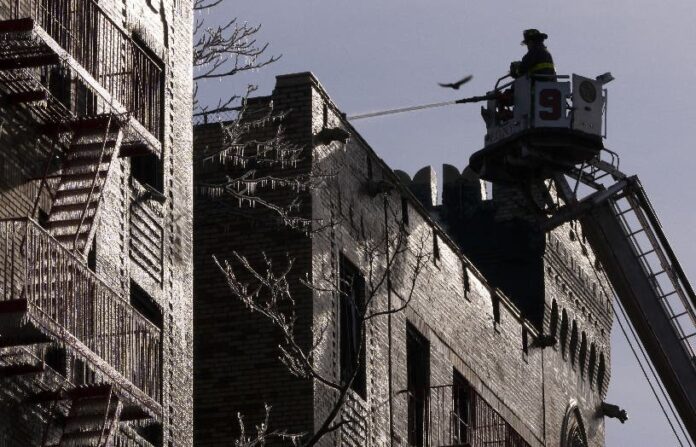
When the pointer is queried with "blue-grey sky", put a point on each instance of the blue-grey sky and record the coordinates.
(378, 54)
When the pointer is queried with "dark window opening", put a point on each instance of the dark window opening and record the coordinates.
(436, 248)
(57, 359)
(404, 210)
(147, 170)
(82, 373)
(496, 309)
(85, 101)
(525, 341)
(58, 83)
(145, 305)
(147, 97)
(369, 168)
(352, 308)
(463, 410)
(467, 283)
(152, 433)
(92, 256)
(42, 219)
(418, 371)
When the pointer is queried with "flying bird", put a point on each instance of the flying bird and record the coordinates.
(456, 85)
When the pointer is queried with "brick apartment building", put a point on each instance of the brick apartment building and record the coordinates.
(505, 338)
(96, 343)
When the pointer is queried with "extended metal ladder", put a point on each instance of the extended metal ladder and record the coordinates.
(627, 238)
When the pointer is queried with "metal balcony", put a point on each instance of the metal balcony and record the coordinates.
(109, 72)
(437, 419)
(48, 296)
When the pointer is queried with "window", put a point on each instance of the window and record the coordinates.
(462, 404)
(418, 371)
(82, 374)
(564, 333)
(92, 256)
(436, 248)
(467, 283)
(57, 359)
(352, 341)
(525, 341)
(145, 305)
(496, 308)
(147, 170)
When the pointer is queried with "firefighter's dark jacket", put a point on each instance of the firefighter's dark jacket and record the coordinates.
(537, 61)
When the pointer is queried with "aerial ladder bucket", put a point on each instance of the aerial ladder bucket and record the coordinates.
(549, 129)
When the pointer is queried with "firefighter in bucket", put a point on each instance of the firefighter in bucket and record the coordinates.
(538, 62)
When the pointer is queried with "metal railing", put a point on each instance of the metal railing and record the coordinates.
(133, 76)
(443, 424)
(62, 292)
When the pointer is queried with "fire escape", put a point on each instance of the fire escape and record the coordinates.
(77, 349)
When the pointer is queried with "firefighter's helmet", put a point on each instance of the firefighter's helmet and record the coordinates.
(531, 35)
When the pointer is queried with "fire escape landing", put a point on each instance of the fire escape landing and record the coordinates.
(96, 95)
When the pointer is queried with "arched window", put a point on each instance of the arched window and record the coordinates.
(553, 325)
(573, 431)
(583, 354)
(593, 363)
(564, 333)
(600, 373)
(573, 343)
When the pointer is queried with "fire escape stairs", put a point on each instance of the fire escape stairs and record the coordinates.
(19, 47)
(93, 418)
(84, 174)
(17, 363)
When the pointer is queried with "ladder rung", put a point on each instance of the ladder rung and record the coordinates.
(635, 232)
(668, 294)
(646, 253)
(674, 317)
(622, 212)
(686, 337)
(658, 273)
